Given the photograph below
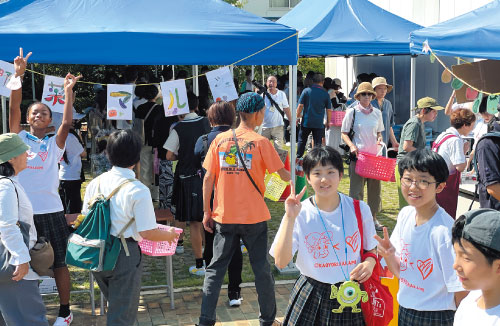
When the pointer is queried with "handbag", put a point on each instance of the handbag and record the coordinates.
(378, 310)
(243, 162)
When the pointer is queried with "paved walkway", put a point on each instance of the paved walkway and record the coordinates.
(155, 309)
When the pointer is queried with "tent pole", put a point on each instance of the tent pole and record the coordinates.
(293, 123)
(173, 72)
(196, 89)
(412, 85)
(347, 73)
(4, 114)
(162, 67)
(33, 82)
(393, 83)
(263, 77)
(253, 72)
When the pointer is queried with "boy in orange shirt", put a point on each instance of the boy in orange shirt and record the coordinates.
(237, 171)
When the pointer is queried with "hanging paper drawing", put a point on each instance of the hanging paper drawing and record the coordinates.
(222, 84)
(6, 72)
(53, 93)
(120, 102)
(175, 100)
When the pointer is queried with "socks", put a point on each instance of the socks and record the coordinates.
(64, 310)
(199, 262)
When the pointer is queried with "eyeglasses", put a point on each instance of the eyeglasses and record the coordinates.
(365, 94)
(421, 184)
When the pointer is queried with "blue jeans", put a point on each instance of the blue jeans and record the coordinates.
(318, 134)
(226, 241)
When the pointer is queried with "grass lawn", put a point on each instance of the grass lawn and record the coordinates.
(154, 267)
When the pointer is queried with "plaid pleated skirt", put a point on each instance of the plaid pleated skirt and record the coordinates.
(410, 317)
(310, 304)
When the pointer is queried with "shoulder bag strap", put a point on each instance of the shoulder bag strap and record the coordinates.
(357, 211)
(150, 110)
(435, 147)
(15, 188)
(129, 223)
(243, 162)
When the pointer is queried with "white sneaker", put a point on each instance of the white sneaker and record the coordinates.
(197, 271)
(235, 302)
(179, 249)
(235, 299)
(61, 321)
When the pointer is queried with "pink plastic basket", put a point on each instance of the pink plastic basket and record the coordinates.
(337, 117)
(159, 248)
(375, 167)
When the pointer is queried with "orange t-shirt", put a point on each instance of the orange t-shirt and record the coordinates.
(236, 200)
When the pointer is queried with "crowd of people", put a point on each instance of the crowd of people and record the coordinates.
(448, 266)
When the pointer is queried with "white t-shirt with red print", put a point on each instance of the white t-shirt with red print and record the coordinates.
(427, 281)
(316, 255)
(40, 179)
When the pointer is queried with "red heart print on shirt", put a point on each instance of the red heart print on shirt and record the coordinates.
(43, 155)
(425, 267)
(353, 241)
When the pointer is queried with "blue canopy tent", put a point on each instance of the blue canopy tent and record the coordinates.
(348, 27)
(475, 34)
(210, 32)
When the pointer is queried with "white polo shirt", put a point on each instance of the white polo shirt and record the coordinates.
(133, 200)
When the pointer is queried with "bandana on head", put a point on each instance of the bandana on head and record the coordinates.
(250, 103)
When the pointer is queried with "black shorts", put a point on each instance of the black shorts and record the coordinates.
(70, 193)
(54, 228)
(188, 198)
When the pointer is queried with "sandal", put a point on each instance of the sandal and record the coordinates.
(378, 226)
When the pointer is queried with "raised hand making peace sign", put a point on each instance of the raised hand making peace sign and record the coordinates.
(20, 63)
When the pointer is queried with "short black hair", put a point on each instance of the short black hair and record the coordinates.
(36, 103)
(124, 148)
(167, 73)
(7, 170)
(149, 92)
(192, 101)
(425, 160)
(323, 155)
(483, 104)
(101, 145)
(456, 237)
(130, 74)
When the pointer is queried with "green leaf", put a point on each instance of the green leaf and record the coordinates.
(477, 102)
(456, 84)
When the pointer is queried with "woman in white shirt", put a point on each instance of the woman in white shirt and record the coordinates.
(368, 126)
(20, 300)
(451, 147)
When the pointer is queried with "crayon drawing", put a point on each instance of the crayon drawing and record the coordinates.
(175, 100)
(6, 72)
(120, 98)
(53, 93)
(222, 84)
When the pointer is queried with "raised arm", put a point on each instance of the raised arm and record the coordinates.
(67, 121)
(16, 96)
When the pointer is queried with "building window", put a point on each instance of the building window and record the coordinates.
(283, 3)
